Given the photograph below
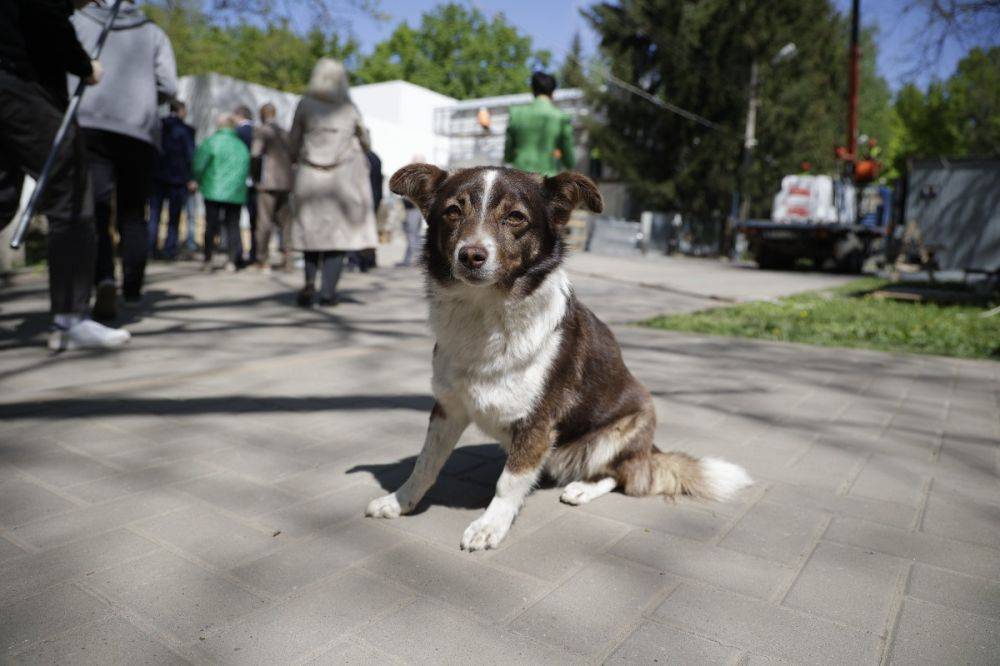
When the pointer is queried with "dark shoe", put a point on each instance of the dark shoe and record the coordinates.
(326, 301)
(105, 302)
(305, 297)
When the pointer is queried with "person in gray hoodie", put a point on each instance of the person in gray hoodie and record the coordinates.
(121, 124)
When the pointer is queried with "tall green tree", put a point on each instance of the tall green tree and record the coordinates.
(572, 74)
(697, 55)
(959, 117)
(456, 51)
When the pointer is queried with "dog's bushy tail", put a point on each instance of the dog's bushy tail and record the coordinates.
(674, 473)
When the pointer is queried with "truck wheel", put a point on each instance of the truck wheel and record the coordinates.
(852, 263)
(774, 262)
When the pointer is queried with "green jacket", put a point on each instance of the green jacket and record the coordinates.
(221, 165)
(534, 133)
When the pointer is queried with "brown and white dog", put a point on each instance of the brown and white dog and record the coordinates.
(518, 355)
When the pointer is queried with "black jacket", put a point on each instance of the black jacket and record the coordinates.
(375, 172)
(38, 43)
(176, 151)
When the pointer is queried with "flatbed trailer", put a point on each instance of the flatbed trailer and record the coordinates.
(777, 245)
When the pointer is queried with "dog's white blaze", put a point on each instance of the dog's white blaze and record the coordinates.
(723, 477)
(479, 235)
(495, 354)
(489, 178)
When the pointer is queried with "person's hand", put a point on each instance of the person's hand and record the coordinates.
(192, 186)
(96, 74)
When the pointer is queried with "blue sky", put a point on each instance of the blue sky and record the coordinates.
(551, 24)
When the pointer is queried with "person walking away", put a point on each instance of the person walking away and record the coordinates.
(245, 130)
(38, 46)
(364, 260)
(332, 192)
(221, 165)
(173, 173)
(539, 135)
(270, 148)
(121, 124)
(412, 225)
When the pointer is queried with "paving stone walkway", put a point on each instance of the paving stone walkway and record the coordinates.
(198, 497)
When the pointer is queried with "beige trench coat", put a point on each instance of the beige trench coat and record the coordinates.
(332, 191)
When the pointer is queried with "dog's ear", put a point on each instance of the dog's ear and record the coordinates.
(567, 191)
(418, 183)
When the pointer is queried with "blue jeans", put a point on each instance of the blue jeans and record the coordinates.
(176, 196)
(191, 242)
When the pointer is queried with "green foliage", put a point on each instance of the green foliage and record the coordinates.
(456, 51)
(954, 118)
(572, 74)
(697, 55)
(274, 55)
(845, 318)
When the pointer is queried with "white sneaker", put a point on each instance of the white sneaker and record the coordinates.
(87, 334)
(230, 267)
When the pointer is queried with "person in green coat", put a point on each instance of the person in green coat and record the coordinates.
(539, 135)
(221, 166)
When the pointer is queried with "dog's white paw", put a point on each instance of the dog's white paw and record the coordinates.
(577, 492)
(384, 507)
(485, 532)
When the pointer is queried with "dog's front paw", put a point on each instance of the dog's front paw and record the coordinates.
(484, 533)
(384, 507)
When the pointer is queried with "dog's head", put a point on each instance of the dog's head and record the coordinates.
(493, 226)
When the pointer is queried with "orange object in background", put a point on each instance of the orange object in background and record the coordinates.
(483, 118)
(865, 171)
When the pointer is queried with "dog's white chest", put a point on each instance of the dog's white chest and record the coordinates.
(495, 355)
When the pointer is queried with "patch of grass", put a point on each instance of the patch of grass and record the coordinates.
(849, 316)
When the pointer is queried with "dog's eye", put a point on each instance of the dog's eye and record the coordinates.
(516, 218)
(452, 212)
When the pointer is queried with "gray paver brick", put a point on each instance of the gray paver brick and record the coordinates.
(175, 594)
(457, 639)
(551, 551)
(8, 549)
(300, 564)
(351, 654)
(320, 616)
(88, 520)
(828, 464)
(930, 634)
(28, 574)
(965, 592)
(593, 607)
(887, 478)
(760, 627)
(850, 585)
(817, 499)
(209, 535)
(110, 641)
(23, 501)
(927, 548)
(259, 464)
(458, 578)
(719, 566)
(239, 495)
(963, 518)
(700, 522)
(55, 610)
(654, 643)
(308, 517)
(113, 487)
(780, 532)
(55, 465)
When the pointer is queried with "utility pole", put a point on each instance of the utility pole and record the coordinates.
(854, 84)
(749, 140)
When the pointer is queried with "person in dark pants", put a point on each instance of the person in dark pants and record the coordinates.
(121, 126)
(173, 173)
(37, 48)
(245, 130)
(221, 165)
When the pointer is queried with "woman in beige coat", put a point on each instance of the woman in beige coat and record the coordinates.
(332, 193)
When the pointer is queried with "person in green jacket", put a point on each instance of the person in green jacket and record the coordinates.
(539, 135)
(221, 166)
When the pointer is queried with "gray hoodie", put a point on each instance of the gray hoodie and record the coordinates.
(139, 73)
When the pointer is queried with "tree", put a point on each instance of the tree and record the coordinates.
(572, 74)
(697, 55)
(273, 54)
(456, 51)
(962, 21)
(959, 117)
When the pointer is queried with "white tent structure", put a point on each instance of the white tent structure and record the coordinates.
(399, 115)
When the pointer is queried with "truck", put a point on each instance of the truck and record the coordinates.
(819, 218)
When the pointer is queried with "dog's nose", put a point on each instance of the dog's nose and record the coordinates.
(473, 256)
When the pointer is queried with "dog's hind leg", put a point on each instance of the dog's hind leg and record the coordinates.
(443, 432)
(581, 492)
